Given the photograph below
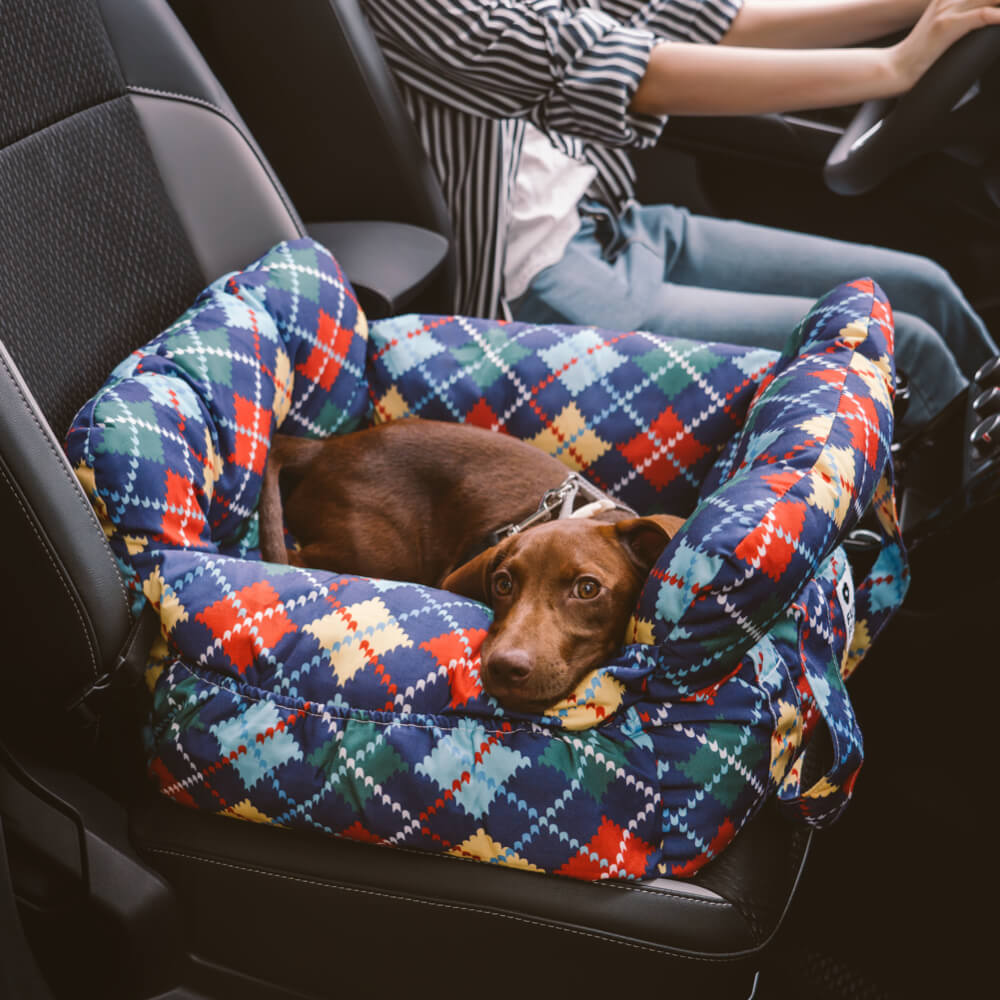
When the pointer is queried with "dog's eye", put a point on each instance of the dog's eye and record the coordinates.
(503, 585)
(587, 588)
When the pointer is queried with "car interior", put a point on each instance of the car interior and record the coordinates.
(148, 147)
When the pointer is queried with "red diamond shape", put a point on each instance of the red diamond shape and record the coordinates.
(481, 415)
(657, 452)
(325, 359)
(247, 621)
(773, 549)
(183, 520)
(608, 843)
(253, 430)
(459, 651)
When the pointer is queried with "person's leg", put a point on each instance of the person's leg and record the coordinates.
(744, 257)
(588, 286)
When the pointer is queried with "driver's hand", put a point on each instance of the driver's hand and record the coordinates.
(941, 25)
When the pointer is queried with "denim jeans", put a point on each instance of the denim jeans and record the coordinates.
(663, 269)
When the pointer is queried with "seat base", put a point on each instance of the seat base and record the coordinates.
(250, 895)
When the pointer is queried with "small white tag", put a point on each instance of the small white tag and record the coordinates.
(845, 595)
(595, 507)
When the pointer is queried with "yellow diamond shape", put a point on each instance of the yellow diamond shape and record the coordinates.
(570, 440)
(832, 478)
(875, 378)
(640, 630)
(283, 383)
(160, 594)
(89, 483)
(135, 544)
(391, 406)
(212, 467)
(483, 847)
(246, 810)
(818, 427)
(594, 700)
(854, 654)
(785, 740)
(856, 332)
(356, 635)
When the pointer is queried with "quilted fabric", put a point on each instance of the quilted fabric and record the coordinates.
(353, 706)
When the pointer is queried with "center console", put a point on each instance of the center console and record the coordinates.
(952, 464)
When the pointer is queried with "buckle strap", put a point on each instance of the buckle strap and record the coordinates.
(129, 664)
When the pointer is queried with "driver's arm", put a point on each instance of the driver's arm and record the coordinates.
(682, 78)
(808, 24)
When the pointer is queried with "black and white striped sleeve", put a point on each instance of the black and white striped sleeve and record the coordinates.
(676, 20)
(570, 67)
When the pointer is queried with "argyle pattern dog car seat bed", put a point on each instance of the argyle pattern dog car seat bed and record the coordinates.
(353, 706)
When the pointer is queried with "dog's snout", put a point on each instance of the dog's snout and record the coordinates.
(510, 667)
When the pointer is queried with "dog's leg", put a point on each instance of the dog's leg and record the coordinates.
(269, 516)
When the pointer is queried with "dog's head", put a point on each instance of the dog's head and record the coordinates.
(562, 594)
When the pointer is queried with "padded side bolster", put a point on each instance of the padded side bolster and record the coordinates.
(640, 415)
(55, 551)
(806, 466)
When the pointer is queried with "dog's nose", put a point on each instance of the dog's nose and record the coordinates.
(510, 667)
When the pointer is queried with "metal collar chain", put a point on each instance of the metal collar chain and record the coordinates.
(573, 497)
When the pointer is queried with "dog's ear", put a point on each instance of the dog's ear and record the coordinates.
(472, 579)
(645, 538)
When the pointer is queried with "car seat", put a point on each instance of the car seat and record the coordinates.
(320, 99)
(128, 182)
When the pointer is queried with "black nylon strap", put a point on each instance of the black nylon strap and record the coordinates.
(127, 671)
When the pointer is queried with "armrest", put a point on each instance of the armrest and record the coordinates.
(388, 263)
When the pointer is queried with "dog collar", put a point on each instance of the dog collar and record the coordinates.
(573, 497)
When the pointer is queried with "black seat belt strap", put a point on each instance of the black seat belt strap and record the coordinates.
(127, 670)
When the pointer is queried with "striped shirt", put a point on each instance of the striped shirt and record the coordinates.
(471, 72)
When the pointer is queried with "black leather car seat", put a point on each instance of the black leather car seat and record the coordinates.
(127, 181)
(313, 85)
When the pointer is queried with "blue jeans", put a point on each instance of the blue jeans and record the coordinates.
(662, 269)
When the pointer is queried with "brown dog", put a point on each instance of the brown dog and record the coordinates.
(417, 500)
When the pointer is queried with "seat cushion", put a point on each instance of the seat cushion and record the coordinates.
(350, 705)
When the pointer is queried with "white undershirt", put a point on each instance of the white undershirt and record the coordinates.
(544, 217)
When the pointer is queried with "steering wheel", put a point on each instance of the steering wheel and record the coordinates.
(886, 134)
